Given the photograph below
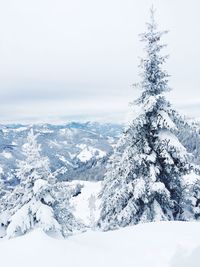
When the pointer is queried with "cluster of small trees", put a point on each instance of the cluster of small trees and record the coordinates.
(39, 199)
(150, 176)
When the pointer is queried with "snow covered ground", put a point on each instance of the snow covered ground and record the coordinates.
(164, 244)
(81, 202)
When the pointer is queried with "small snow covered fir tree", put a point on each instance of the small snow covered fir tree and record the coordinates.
(143, 178)
(191, 195)
(30, 201)
(92, 209)
(2, 187)
(34, 202)
(3, 192)
(63, 193)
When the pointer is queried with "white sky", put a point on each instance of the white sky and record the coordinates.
(76, 59)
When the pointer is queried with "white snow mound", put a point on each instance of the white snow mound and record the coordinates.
(163, 244)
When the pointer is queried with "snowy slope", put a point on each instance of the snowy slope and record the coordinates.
(164, 244)
(81, 202)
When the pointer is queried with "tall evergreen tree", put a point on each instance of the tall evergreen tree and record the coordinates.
(143, 179)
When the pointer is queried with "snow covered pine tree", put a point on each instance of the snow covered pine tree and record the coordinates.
(36, 200)
(3, 191)
(143, 178)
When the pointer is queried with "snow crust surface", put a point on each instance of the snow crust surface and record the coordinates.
(164, 244)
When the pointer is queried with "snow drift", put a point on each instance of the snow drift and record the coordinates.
(163, 244)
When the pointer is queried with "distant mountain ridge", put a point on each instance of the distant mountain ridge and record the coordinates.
(75, 150)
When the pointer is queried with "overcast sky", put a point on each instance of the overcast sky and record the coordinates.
(76, 59)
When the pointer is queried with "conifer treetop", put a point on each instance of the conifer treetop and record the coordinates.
(154, 80)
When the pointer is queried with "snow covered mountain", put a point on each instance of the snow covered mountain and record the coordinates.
(75, 150)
